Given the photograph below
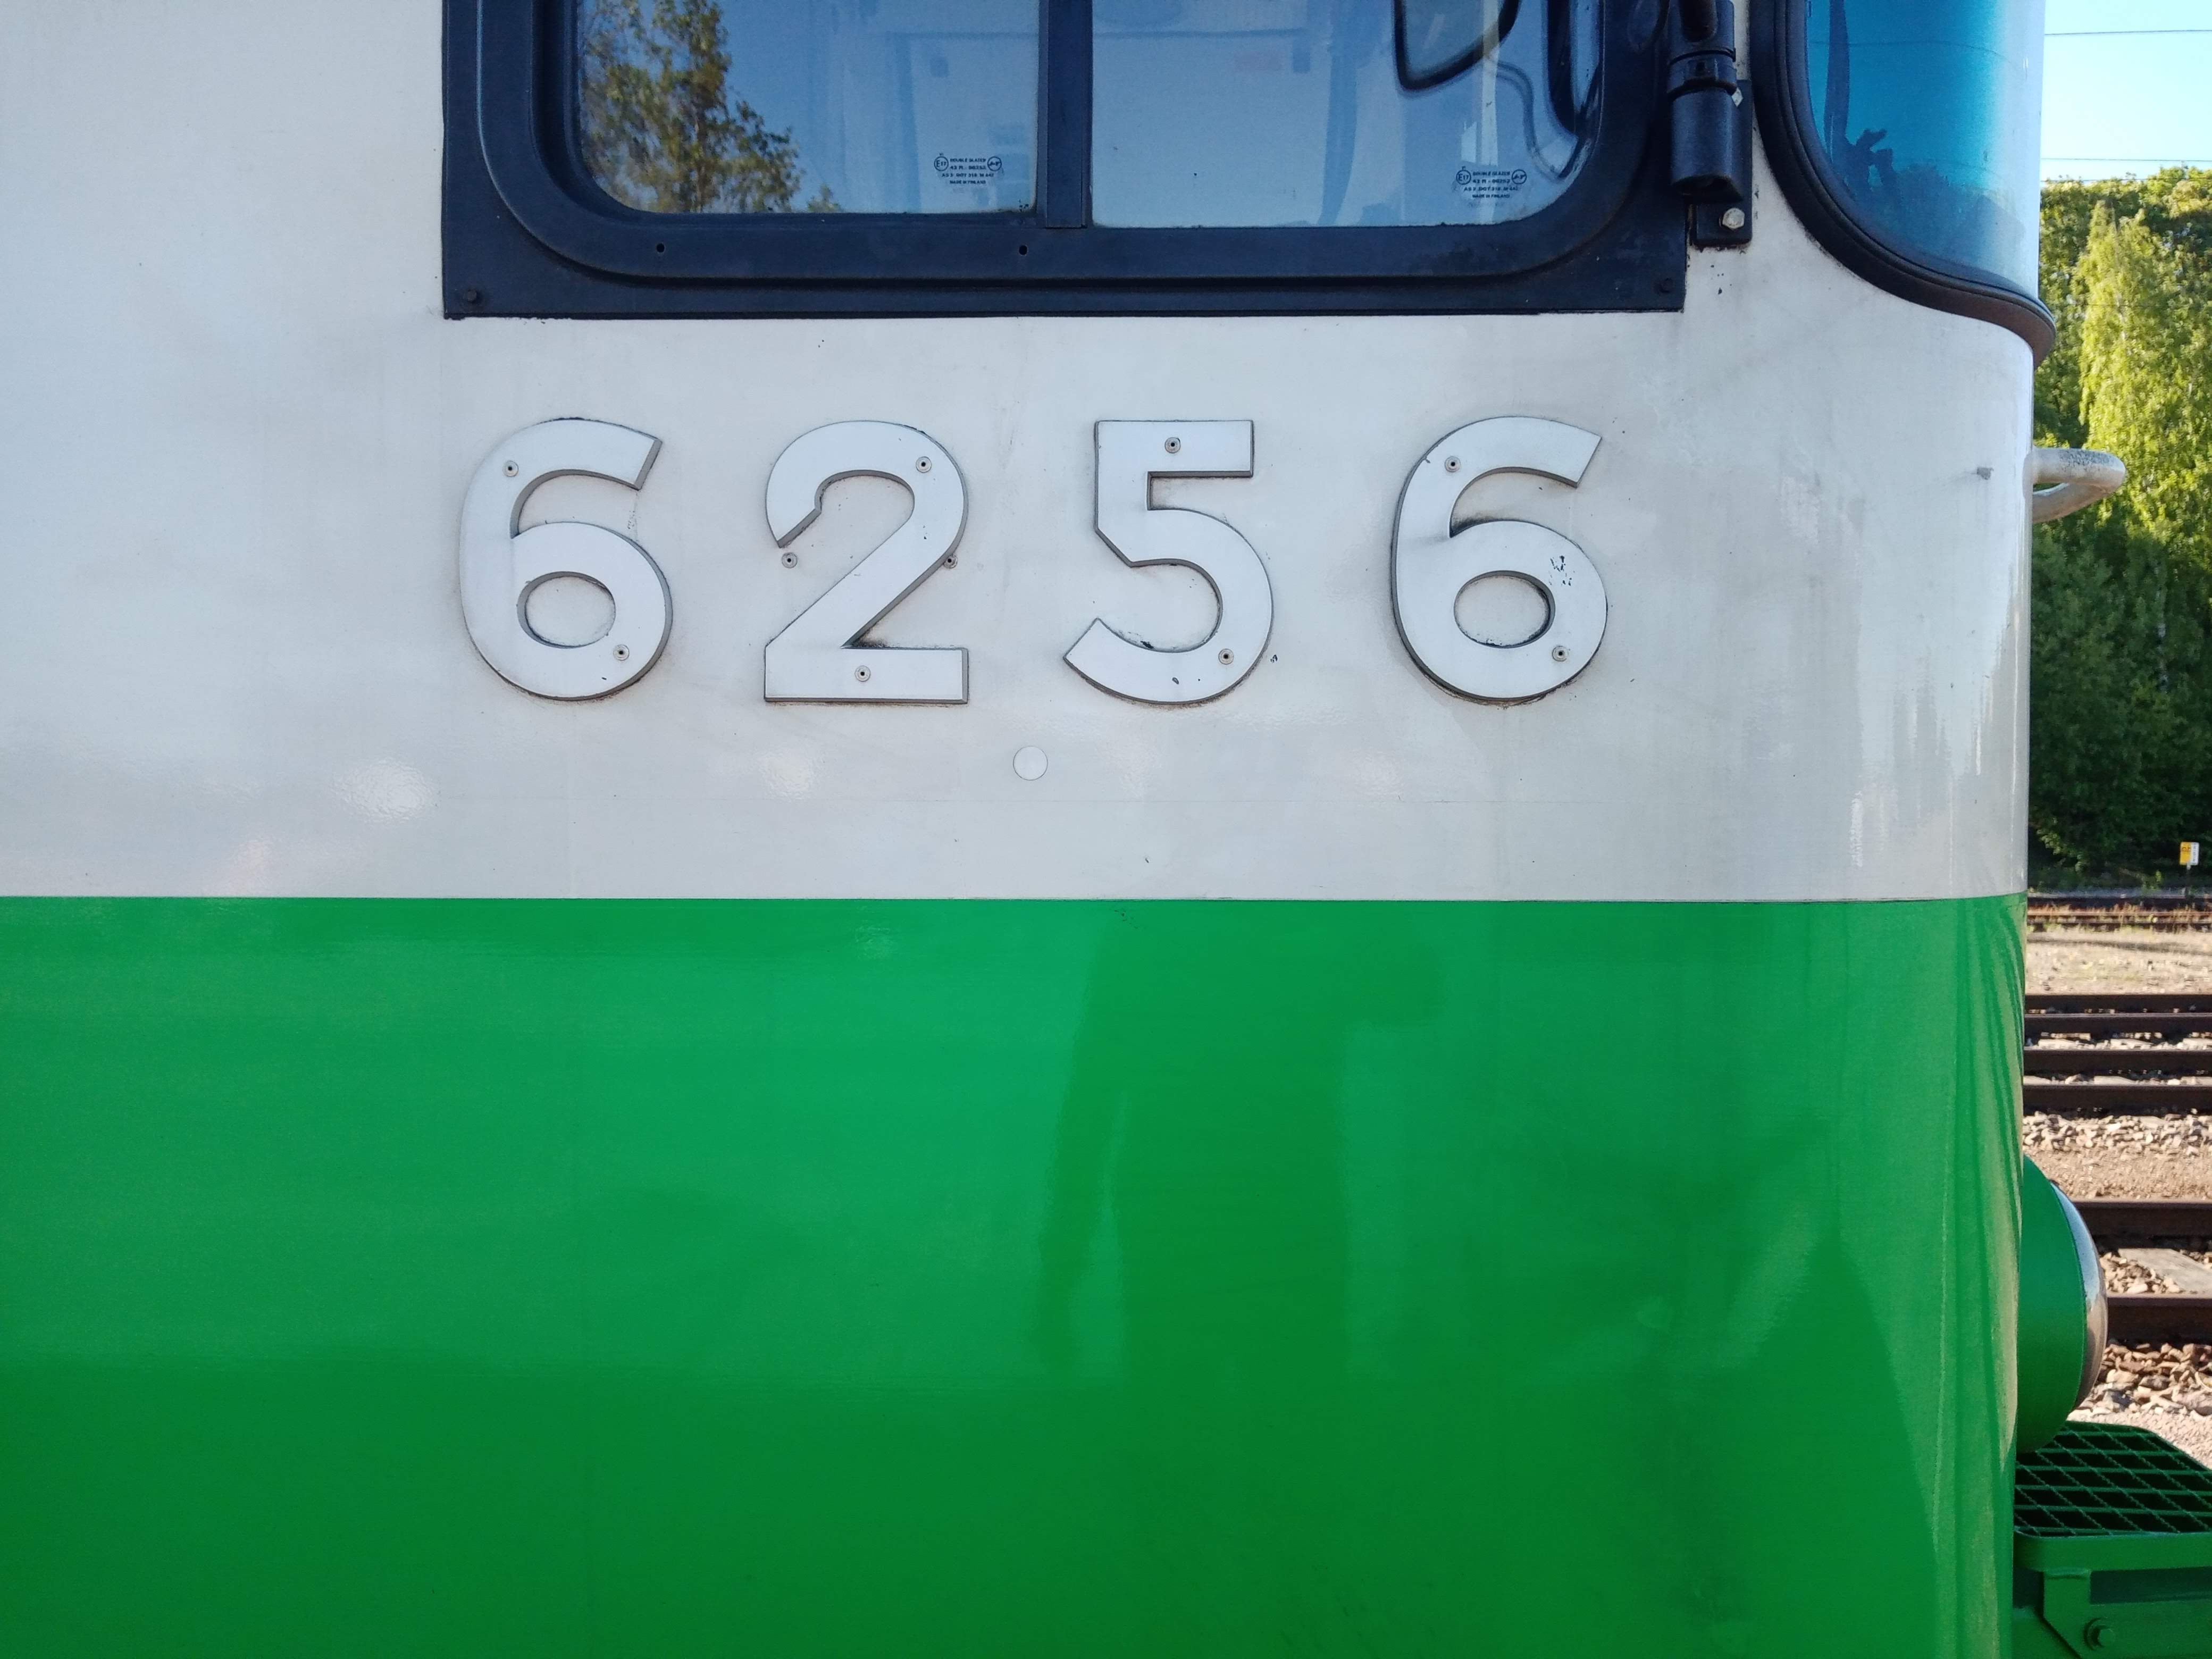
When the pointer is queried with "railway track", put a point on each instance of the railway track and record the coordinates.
(2133, 1052)
(2094, 1073)
(2167, 911)
(2153, 1233)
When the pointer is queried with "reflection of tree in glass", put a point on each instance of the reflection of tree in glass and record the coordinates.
(1922, 206)
(663, 130)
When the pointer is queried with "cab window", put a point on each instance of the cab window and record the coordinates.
(903, 157)
(1927, 113)
(1326, 112)
(810, 106)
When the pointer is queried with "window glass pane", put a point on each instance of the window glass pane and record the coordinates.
(1929, 112)
(1339, 112)
(814, 106)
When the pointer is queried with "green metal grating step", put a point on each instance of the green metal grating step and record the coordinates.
(2111, 1547)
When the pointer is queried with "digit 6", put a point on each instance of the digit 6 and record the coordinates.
(501, 564)
(1431, 564)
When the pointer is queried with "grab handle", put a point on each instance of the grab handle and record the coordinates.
(2067, 480)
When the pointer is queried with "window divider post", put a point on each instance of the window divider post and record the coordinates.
(1063, 115)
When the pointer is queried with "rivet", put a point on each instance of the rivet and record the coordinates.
(1558, 653)
(1733, 219)
(1227, 656)
(1175, 446)
(472, 295)
(511, 468)
(622, 653)
(861, 675)
(1451, 463)
(952, 559)
(922, 463)
(791, 561)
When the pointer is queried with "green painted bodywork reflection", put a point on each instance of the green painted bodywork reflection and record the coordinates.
(390, 1277)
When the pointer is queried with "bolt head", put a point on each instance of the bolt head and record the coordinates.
(1733, 219)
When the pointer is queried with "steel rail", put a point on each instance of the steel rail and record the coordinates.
(2079, 1060)
(2186, 909)
(2119, 1024)
(2143, 1321)
(2095, 899)
(2120, 1002)
(2088, 1099)
(2155, 921)
(2116, 1223)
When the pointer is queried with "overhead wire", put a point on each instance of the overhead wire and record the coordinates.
(2127, 160)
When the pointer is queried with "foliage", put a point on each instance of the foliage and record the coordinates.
(663, 129)
(2121, 763)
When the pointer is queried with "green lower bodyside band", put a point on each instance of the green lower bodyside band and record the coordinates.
(388, 1278)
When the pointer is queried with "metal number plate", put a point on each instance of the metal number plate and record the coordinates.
(1430, 563)
(1131, 454)
(501, 563)
(819, 658)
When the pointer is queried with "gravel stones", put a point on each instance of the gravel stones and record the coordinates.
(2123, 1278)
(2127, 1156)
(2165, 1378)
(2183, 1134)
(2128, 959)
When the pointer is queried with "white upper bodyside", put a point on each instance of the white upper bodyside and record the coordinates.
(238, 435)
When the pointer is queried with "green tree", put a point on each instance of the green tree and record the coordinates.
(2121, 762)
(2146, 343)
(663, 129)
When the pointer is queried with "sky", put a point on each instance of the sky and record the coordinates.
(2125, 103)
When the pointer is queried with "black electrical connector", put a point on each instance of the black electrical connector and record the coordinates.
(1708, 120)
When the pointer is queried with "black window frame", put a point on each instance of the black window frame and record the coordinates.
(1782, 92)
(528, 233)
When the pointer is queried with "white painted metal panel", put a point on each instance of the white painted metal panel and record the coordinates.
(238, 435)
